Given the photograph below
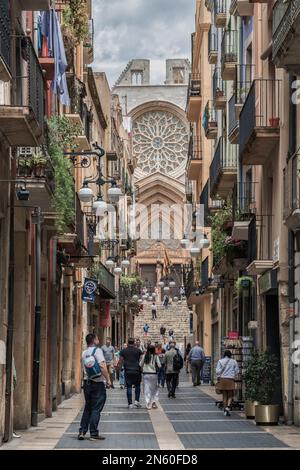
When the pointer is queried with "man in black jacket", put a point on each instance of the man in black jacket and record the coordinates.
(130, 358)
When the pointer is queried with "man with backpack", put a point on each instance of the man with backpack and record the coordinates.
(95, 375)
(173, 365)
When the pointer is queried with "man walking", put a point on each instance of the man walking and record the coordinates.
(153, 311)
(139, 345)
(146, 329)
(172, 373)
(196, 357)
(130, 358)
(109, 356)
(162, 332)
(95, 375)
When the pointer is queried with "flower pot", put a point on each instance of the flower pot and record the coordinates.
(274, 121)
(267, 414)
(250, 408)
(219, 93)
(39, 171)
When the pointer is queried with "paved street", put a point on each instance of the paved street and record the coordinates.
(192, 421)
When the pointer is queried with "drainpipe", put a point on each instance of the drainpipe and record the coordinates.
(10, 316)
(37, 322)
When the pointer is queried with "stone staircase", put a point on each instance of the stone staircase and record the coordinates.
(176, 317)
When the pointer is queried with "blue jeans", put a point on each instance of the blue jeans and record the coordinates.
(122, 377)
(95, 398)
(161, 376)
(131, 379)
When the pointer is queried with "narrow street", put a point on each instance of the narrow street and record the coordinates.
(191, 421)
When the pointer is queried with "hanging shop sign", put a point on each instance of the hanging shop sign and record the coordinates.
(105, 316)
(267, 281)
(233, 335)
(89, 290)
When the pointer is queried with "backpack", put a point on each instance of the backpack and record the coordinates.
(177, 362)
(92, 366)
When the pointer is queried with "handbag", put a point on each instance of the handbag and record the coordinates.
(218, 390)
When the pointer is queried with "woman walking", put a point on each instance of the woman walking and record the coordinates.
(150, 364)
(186, 355)
(227, 369)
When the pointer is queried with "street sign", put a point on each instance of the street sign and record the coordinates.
(206, 371)
(89, 290)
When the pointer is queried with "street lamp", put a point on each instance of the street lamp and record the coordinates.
(184, 243)
(125, 263)
(109, 263)
(195, 251)
(99, 206)
(85, 193)
(204, 242)
(114, 193)
(161, 283)
(172, 284)
(117, 270)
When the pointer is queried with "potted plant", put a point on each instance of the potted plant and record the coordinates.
(244, 282)
(219, 93)
(260, 382)
(38, 164)
(24, 167)
(274, 121)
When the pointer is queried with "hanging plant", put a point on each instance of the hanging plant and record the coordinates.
(218, 233)
(61, 132)
(244, 282)
(76, 20)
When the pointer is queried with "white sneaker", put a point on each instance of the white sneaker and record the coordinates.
(149, 407)
(130, 407)
(16, 435)
(137, 404)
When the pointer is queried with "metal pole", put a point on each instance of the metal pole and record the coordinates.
(37, 324)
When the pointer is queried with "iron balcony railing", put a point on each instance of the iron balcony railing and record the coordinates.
(218, 84)
(243, 200)
(285, 14)
(233, 121)
(252, 240)
(260, 240)
(229, 47)
(194, 87)
(106, 280)
(194, 150)
(291, 185)
(204, 202)
(220, 6)
(261, 108)
(225, 158)
(209, 118)
(244, 76)
(212, 40)
(5, 48)
(30, 80)
(204, 273)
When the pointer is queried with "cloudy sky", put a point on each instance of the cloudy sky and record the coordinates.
(141, 29)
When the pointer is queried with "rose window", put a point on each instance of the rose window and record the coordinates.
(160, 142)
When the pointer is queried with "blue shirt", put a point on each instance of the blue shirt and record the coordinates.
(196, 353)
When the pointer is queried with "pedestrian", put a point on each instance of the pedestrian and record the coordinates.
(162, 332)
(166, 301)
(95, 375)
(130, 359)
(196, 358)
(186, 355)
(139, 345)
(119, 372)
(153, 311)
(182, 293)
(146, 329)
(150, 365)
(109, 356)
(161, 376)
(227, 369)
(173, 367)
(171, 335)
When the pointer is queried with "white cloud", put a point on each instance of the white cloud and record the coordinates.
(141, 29)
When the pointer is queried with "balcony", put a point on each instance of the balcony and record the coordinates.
(242, 7)
(243, 82)
(209, 121)
(291, 185)
(193, 108)
(259, 245)
(36, 171)
(106, 283)
(5, 48)
(220, 13)
(286, 31)
(243, 208)
(22, 122)
(188, 191)
(194, 163)
(79, 113)
(229, 49)
(219, 96)
(259, 122)
(204, 202)
(233, 122)
(34, 5)
(88, 45)
(212, 45)
(223, 169)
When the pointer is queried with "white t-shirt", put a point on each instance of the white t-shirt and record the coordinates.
(98, 356)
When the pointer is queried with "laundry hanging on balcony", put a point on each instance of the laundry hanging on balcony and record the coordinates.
(49, 28)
